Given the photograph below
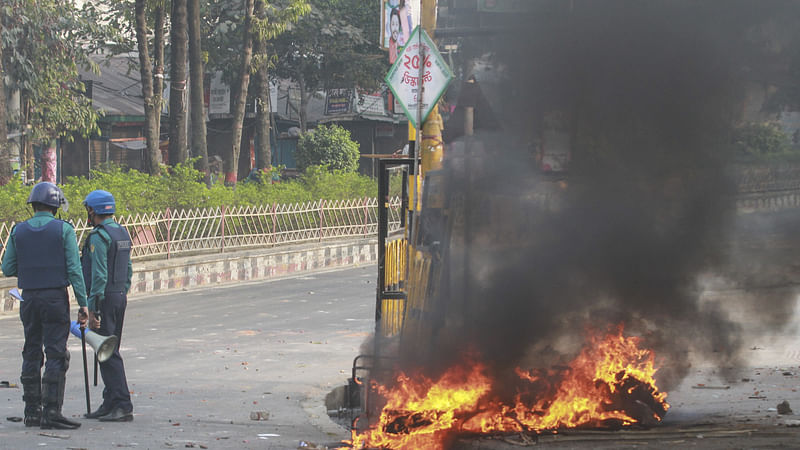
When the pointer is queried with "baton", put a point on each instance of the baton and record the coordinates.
(85, 371)
(95, 369)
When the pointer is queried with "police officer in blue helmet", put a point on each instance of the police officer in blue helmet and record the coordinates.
(106, 261)
(42, 252)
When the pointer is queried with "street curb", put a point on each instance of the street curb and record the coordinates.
(191, 272)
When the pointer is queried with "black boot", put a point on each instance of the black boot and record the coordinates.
(32, 396)
(104, 409)
(52, 399)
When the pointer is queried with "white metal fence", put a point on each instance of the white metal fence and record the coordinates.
(171, 233)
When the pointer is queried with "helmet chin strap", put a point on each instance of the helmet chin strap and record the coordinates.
(90, 214)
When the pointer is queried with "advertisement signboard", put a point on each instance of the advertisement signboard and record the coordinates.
(338, 101)
(398, 18)
(419, 77)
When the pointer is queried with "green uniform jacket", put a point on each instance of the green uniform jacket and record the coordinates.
(74, 272)
(99, 241)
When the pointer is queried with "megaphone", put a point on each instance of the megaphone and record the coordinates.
(103, 346)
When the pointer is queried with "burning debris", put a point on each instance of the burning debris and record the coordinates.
(610, 384)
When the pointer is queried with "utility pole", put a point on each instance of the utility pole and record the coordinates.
(425, 147)
(431, 149)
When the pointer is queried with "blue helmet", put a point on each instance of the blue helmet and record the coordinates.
(101, 202)
(48, 194)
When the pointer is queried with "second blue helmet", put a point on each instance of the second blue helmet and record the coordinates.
(101, 202)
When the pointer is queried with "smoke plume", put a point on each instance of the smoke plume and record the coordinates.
(648, 92)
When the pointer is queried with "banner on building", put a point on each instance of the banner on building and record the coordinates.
(165, 98)
(371, 103)
(219, 99)
(338, 101)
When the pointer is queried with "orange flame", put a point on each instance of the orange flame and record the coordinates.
(610, 383)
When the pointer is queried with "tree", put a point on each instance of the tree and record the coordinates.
(231, 163)
(152, 108)
(758, 139)
(159, 42)
(261, 94)
(134, 36)
(177, 86)
(197, 97)
(334, 46)
(327, 146)
(277, 15)
(5, 156)
(44, 43)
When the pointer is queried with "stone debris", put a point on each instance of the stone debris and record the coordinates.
(259, 415)
(784, 409)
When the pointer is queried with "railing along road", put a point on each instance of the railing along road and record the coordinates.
(170, 233)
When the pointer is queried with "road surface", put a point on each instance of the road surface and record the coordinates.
(199, 362)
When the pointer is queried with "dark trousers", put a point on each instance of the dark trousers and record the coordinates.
(112, 315)
(45, 319)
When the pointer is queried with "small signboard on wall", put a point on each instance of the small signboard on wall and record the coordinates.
(338, 101)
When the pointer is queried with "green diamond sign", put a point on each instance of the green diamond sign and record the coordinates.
(419, 77)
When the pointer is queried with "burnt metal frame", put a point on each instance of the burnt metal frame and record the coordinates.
(384, 165)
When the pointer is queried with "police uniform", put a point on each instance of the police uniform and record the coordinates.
(106, 261)
(43, 253)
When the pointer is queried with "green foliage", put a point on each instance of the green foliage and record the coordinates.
(334, 46)
(44, 43)
(223, 25)
(329, 146)
(182, 187)
(760, 139)
(13, 200)
(337, 184)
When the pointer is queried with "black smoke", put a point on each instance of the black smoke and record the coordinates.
(649, 93)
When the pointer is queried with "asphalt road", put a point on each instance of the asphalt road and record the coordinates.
(199, 362)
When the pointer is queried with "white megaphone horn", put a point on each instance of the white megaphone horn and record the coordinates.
(103, 346)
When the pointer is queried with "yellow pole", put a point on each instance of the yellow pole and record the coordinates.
(432, 148)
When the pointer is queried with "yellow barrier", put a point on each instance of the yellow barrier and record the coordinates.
(418, 308)
(395, 265)
(392, 312)
(393, 309)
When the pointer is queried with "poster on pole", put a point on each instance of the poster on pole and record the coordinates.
(398, 18)
(419, 77)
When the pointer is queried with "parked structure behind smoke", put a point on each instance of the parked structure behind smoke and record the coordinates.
(651, 91)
